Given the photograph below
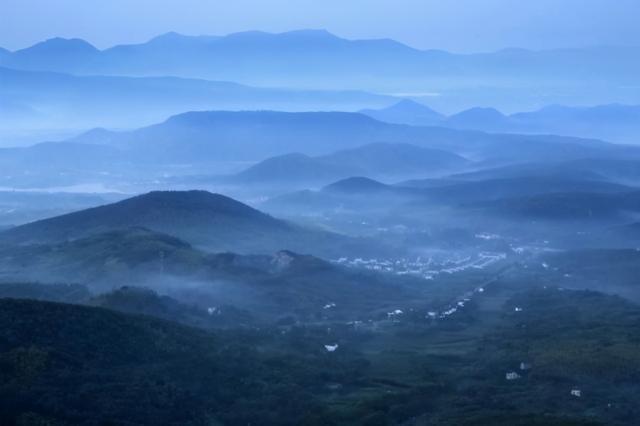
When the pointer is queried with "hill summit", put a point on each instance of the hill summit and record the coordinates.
(208, 221)
(196, 216)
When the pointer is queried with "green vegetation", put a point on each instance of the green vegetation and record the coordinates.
(66, 364)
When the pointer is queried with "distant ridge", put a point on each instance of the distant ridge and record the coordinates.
(59, 45)
(319, 59)
(611, 122)
(45, 99)
(376, 160)
(255, 135)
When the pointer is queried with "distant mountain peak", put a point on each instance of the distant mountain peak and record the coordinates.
(477, 117)
(175, 37)
(307, 35)
(192, 199)
(169, 35)
(482, 111)
(356, 184)
(406, 111)
(409, 105)
(188, 212)
(316, 33)
(58, 44)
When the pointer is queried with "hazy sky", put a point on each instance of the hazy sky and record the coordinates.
(459, 25)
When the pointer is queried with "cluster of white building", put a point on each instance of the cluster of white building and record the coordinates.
(426, 268)
(487, 236)
(459, 304)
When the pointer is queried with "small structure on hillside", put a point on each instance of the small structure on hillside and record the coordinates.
(525, 366)
(331, 348)
(394, 314)
(512, 375)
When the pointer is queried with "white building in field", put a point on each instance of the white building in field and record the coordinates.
(395, 313)
(331, 348)
(512, 375)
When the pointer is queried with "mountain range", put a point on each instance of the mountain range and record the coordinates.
(373, 260)
(60, 86)
(255, 135)
(52, 100)
(54, 81)
(365, 192)
(613, 122)
(306, 58)
(321, 146)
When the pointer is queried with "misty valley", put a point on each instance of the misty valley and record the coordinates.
(258, 229)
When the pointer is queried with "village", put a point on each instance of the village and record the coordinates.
(427, 268)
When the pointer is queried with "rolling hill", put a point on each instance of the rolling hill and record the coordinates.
(248, 287)
(379, 160)
(127, 255)
(193, 214)
(207, 220)
(139, 370)
(217, 142)
(144, 301)
(291, 169)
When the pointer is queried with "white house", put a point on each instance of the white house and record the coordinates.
(512, 375)
(331, 348)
